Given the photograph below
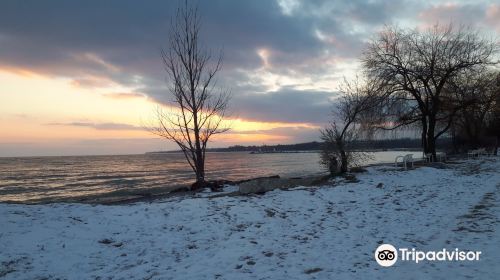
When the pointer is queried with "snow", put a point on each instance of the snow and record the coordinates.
(328, 232)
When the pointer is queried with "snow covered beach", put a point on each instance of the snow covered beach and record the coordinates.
(328, 232)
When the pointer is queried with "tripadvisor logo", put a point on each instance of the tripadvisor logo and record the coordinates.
(387, 255)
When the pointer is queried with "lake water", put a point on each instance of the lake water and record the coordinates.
(33, 179)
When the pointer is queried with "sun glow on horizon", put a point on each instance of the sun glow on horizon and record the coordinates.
(41, 109)
(34, 102)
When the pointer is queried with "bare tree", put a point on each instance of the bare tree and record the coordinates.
(350, 122)
(198, 107)
(417, 65)
(474, 95)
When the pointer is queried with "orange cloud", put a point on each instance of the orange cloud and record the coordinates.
(26, 73)
(124, 95)
(92, 82)
(249, 139)
(96, 60)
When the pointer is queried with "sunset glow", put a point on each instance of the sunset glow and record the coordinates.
(37, 108)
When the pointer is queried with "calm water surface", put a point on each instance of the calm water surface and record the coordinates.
(32, 179)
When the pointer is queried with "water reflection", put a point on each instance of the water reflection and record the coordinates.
(33, 178)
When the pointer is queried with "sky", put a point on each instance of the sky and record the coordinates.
(84, 77)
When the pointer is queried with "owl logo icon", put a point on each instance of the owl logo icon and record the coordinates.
(386, 255)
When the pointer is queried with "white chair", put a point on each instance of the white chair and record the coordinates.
(428, 157)
(405, 160)
(472, 154)
(409, 159)
(441, 156)
(397, 159)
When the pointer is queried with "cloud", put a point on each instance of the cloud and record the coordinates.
(452, 12)
(128, 34)
(124, 37)
(285, 105)
(124, 95)
(92, 82)
(493, 16)
(298, 134)
(100, 126)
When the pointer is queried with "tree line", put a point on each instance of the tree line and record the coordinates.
(373, 144)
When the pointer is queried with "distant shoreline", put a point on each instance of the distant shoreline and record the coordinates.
(315, 146)
(290, 151)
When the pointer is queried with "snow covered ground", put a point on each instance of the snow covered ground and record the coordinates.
(329, 232)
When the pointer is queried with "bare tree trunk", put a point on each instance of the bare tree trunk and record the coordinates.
(343, 162)
(343, 155)
(200, 161)
(425, 146)
(431, 139)
(496, 145)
